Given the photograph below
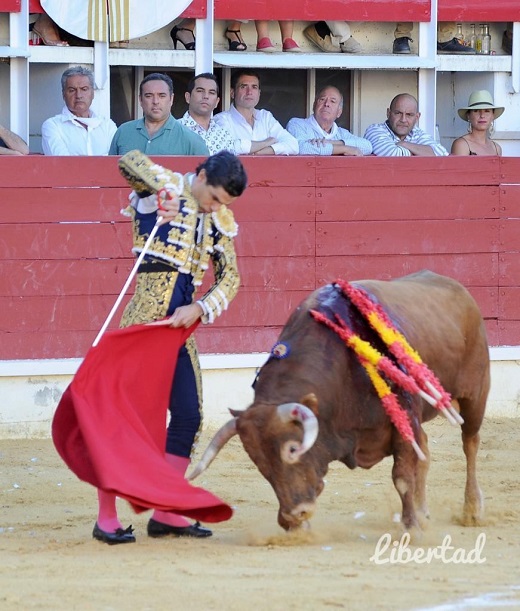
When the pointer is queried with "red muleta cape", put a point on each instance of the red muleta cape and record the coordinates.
(110, 424)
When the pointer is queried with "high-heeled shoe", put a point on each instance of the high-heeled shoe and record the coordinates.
(174, 33)
(48, 42)
(238, 44)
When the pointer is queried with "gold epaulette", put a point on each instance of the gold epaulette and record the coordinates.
(225, 222)
(146, 177)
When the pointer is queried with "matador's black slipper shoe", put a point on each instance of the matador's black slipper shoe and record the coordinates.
(158, 529)
(121, 535)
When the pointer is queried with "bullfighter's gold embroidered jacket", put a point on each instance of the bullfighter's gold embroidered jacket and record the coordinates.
(184, 246)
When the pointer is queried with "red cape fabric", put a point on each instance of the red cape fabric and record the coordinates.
(110, 425)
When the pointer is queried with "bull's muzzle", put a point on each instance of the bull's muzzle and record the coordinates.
(297, 517)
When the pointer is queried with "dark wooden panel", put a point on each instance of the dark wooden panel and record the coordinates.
(390, 171)
(72, 277)
(475, 269)
(276, 239)
(65, 241)
(47, 205)
(406, 202)
(406, 237)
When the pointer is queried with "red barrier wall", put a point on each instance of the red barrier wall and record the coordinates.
(350, 10)
(304, 221)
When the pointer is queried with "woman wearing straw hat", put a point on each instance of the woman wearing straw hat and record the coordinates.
(480, 114)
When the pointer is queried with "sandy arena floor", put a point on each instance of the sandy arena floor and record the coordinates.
(50, 561)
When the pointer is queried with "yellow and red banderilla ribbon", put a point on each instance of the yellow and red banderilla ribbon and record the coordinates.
(430, 389)
(372, 360)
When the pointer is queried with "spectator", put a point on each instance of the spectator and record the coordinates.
(202, 97)
(11, 144)
(254, 131)
(480, 114)
(157, 133)
(320, 135)
(77, 130)
(398, 136)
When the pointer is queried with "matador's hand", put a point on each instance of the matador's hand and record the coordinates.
(169, 204)
(184, 316)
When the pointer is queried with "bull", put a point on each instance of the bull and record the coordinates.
(317, 404)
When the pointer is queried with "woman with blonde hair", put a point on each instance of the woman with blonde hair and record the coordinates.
(480, 114)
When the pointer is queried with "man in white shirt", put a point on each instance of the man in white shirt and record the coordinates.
(319, 134)
(202, 96)
(77, 130)
(254, 131)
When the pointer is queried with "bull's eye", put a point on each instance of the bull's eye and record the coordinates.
(290, 452)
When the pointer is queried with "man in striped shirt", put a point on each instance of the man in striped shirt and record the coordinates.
(399, 136)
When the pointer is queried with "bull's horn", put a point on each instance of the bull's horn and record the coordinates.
(222, 436)
(289, 412)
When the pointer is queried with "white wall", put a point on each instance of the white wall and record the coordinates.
(29, 401)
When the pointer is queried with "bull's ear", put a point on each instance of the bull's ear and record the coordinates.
(235, 412)
(310, 401)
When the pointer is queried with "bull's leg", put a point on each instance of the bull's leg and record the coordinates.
(421, 471)
(473, 501)
(403, 476)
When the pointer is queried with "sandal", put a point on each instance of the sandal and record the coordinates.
(235, 45)
(49, 42)
(174, 33)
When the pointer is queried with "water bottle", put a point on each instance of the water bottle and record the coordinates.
(472, 36)
(486, 41)
(480, 36)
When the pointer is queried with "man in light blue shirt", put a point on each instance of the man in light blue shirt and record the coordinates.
(398, 136)
(320, 135)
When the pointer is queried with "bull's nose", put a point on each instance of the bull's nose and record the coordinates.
(298, 516)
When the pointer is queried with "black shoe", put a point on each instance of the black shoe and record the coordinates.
(119, 536)
(157, 529)
(507, 43)
(174, 33)
(401, 45)
(454, 47)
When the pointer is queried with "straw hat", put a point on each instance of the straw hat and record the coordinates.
(480, 99)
